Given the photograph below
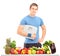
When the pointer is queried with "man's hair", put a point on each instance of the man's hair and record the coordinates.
(33, 4)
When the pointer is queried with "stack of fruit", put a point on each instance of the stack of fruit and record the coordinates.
(32, 50)
(10, 48)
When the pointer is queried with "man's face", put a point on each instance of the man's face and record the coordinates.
(33, 10)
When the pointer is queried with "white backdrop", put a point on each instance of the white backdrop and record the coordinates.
(12, 11)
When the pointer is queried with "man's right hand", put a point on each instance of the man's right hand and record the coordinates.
(33, 36)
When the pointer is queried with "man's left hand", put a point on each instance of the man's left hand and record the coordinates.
(40, 40)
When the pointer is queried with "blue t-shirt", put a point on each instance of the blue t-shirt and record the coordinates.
(33, 21)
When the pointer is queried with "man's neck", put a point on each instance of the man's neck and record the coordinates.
(32, 15)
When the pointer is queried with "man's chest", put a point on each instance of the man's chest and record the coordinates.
(33, 22)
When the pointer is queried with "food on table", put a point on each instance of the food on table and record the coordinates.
(48, 47)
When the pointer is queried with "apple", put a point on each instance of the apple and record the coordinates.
(33, 51)
(29, 51)
(48, 52)
(41, 52)
(23, 51)
(12, 50)
(37, 52)
(18, 49)
(26, 50)
(15, 52)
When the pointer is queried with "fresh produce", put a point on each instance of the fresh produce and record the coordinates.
(7, 49)
(15, 52)
(33, 52)
(12, 50)
(37, 52)
(8, 41)
(41, 52)
(29, 51)
(34, 48)
(53, 48)
(13, 44)
(7, 46)
(46, 43)
(49, 44)
(48, 47)
(24, 51)
(48, 52)
(18, 49)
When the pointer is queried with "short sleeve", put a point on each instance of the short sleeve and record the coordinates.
(41, 22)
(23, 22)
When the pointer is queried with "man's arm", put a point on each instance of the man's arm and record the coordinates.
(43, 33)
(20, 32)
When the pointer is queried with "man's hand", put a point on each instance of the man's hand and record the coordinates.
(33, 36)
(43, 33)
(40, 40)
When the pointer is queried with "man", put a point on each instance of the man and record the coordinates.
(33, 20)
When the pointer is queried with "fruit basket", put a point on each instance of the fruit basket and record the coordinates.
(48, 48)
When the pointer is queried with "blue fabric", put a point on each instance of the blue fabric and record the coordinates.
(34, 21)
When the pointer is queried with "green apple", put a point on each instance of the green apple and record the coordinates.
(48, 52)
(33, 51)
